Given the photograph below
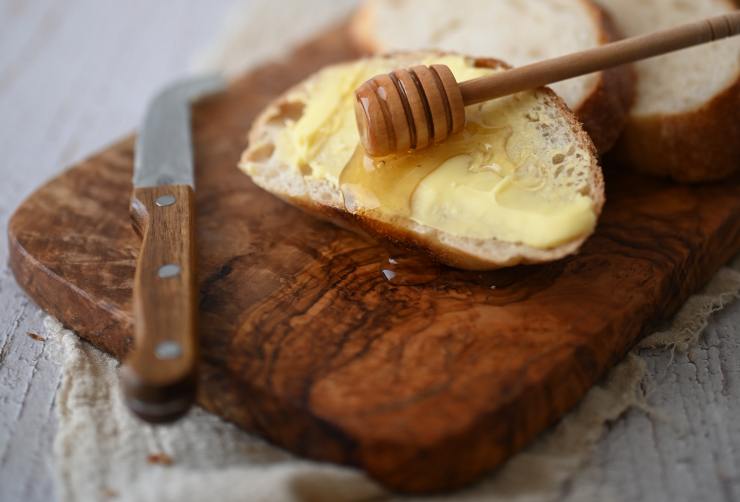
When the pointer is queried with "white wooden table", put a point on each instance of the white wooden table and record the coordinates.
(76, 74)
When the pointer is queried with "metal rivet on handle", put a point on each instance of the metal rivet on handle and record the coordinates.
(169, 270)
(168, 350)
(165, 200)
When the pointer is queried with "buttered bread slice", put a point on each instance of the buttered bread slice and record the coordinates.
(520, 184)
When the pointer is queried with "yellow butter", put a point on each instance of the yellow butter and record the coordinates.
(489, 181)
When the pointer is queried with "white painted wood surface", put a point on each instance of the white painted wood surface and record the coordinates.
(75, 75)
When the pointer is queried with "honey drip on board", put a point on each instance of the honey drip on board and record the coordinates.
(390, 182)
(505, 286)
(410, 270)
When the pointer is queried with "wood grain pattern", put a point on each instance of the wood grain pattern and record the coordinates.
(424, 381)
(159, 386)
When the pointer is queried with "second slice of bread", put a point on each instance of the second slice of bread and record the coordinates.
(686, 120)
(522, 32)
(324, 198)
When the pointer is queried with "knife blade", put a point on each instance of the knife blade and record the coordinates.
(159, 375)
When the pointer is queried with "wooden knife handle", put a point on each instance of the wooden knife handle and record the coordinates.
(159, 375)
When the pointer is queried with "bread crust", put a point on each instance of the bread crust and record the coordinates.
(702, 145)
(603, 112)
(429, 242)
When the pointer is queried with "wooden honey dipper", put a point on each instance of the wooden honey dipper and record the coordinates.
(410, 109)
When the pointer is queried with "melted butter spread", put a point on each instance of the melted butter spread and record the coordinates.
(498, 178)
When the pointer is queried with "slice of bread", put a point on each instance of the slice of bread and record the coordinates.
(685, 123)
(521, 32)
(576, 176)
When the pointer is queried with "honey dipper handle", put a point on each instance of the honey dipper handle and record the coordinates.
(600, 58)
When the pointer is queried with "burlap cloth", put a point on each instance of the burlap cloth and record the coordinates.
(102, 453)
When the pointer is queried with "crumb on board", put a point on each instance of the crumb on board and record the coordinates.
(36, 336)
(159, 458)
(108, 493)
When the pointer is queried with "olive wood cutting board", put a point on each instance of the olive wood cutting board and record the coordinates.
(348, 351)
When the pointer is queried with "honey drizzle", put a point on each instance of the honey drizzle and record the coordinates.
(367, 183)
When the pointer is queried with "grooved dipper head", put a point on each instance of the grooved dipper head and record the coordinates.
(408, 109)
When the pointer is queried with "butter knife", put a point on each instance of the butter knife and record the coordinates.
(159, 375)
